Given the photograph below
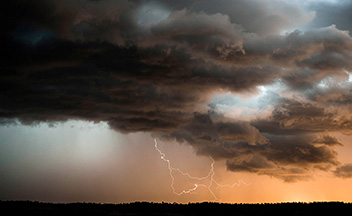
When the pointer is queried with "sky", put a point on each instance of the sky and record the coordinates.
(117, 101)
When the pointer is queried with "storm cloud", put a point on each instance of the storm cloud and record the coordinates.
(156, 66)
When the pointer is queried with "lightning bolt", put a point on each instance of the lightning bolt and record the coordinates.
(210, 176)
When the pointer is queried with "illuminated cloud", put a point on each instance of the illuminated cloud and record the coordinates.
(151, 14)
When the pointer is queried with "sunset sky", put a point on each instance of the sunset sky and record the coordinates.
(117, 101)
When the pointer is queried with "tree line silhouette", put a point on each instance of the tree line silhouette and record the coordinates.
(175, 209)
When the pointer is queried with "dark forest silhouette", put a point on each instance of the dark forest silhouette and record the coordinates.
(148, 208)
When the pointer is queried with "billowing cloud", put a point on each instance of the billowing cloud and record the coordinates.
(163, 67)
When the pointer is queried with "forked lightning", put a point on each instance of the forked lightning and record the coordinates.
(210, 176)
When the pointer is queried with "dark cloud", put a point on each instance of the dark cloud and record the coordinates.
(245, 149)
(206, 131)
(254, 164)
(327, 140)
(261, 166)
(300, 151)
(212, 35)
(308, 57)
(155, 66)
(287, 157)
(294, 117)
(344, 171)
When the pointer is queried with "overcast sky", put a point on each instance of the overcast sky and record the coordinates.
(257, 93)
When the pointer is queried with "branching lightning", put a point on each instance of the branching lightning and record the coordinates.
(209, 176)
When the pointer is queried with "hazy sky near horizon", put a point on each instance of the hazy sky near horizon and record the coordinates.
(254, 96)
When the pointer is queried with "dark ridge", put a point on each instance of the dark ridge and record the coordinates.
(175, 209)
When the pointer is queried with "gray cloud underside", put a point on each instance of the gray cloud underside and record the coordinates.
(94, 60)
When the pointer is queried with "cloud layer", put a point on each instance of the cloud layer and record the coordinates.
(157, 67)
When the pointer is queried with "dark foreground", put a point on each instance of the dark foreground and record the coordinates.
(145, 208)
